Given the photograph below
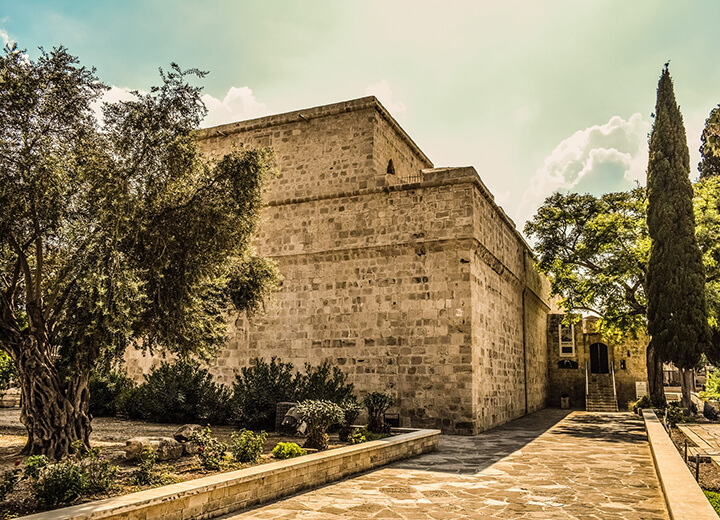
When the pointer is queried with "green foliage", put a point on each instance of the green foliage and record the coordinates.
(117, 234)
(150, 473)
(324, 383)
(247, 446)
(595, 251)
(319, 416)
(59, 484)
(643, 403)
(357, 437)
(712, 387)
(8, 372)
(674, 413)
(351, 410)
(211, 451)
(105, 389)
(707, 231)
(33, 465)
(362, 434)
(714, 499)
(182, 392)
(287, 450)
(98, 472)
(8, 481)
(257, 390)
(677, 315)
(129, 403)
(709, 165)
(377, 404)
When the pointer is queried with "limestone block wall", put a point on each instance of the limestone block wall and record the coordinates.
(415, 283)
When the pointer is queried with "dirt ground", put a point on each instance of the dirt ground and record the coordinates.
(110, 434)
(709, 473)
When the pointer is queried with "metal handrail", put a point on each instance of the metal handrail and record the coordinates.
(587, 385)
(612, 369)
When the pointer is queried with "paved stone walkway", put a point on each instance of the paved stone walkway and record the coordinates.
(544, 466)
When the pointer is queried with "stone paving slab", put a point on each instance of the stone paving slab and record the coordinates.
(547, 465)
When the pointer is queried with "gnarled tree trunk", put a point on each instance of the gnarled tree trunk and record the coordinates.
(55, 412)
(655, 377)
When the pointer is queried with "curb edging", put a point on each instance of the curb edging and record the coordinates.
(223, 493)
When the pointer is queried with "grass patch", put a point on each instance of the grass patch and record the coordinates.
(714, 499)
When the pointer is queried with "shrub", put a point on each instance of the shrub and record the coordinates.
(712, 387)
(643, 402)
(674, 413)
(351, 410)
(324, 383)
(357, 437)
(287, 450)
(150, 473)
(33, 465)
(105, 389)
(257, 390)
(360, 435)
(210, 450)
(246, 446)
(59, 484)
(377, 404)
(319, 416)
(99, 473)
(182, 392)
(128, 403)
(7, 484)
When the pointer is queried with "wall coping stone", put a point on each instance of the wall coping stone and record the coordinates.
(683, 496)
(308, 114)
(140, 504)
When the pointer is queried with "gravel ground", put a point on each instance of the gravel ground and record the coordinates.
(709, 473)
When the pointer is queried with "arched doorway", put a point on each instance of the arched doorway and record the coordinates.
(599, 359)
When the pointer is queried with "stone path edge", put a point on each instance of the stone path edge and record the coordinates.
(683, 497)
(223, 493)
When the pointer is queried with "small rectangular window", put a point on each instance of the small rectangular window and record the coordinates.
(567, 340)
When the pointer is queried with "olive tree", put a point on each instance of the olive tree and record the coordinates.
(113, 234)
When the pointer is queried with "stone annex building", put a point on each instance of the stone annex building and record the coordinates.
(407, 276)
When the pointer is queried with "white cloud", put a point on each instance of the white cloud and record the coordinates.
(113, 95)
(238, 104)
(4, 37)
(600, 159)
(384, 93)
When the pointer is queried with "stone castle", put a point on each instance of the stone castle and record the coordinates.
(407, 276)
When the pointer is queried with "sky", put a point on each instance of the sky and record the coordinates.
(538, 96)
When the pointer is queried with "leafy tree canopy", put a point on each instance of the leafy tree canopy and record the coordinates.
(710, 145)
(113, 234)
(595, 251)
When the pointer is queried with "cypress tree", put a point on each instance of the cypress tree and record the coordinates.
(710, 145)
(677, 314)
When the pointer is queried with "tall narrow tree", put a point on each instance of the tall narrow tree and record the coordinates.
(677, 314)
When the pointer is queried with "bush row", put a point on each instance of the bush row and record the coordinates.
(183, 392)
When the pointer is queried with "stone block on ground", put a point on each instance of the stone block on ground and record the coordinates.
(186, 431)
(166, 448)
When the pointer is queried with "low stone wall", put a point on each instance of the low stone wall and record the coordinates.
(683, 497)
(224, 493)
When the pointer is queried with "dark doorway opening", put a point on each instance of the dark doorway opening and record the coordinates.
(599, 359)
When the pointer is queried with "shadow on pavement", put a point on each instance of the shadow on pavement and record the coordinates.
(470, 455)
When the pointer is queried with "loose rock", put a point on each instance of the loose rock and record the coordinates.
(166, 448)
(185, 431)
